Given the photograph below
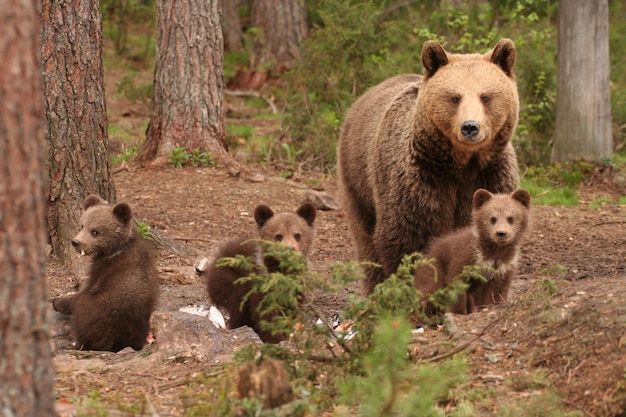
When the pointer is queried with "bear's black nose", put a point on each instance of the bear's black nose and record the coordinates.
(501, 235)
(75, 242)
(470, 128)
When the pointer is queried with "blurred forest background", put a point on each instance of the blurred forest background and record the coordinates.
(352, 45)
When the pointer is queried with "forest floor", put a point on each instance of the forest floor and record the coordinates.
(569, 336)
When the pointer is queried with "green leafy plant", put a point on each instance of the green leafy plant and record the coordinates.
(144, 230)
(389, 384)
(180, 157)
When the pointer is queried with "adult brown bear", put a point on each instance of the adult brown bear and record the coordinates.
(414, 148)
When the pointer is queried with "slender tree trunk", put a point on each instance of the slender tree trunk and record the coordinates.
(583, 109)
(25, 362)
(282, 25)
(188, 109)
(77, 155)
(231, 26)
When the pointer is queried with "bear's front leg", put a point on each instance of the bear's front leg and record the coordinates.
(64, 304)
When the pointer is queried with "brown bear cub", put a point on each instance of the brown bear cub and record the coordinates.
(414, 148)
(492, 242)
(294, 230)
(112, 310)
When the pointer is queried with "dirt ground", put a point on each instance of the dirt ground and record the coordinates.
(577, 336)
(571, 335)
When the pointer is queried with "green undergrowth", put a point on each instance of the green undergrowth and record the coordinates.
(366, 371)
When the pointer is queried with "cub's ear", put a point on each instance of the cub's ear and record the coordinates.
(308, 212)
(123, 212)
(481, 196)
(433, 57)
(522, 196)
(262, 214)
(503, 55)
(92, 200)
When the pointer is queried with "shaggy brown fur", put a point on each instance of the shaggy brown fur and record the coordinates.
(492, 242)
(113, 308)
(295, 230)
(413, 150)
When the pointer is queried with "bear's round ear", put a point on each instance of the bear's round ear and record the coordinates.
(123, 212)
(307, 211)
(481, 196)
(503, 55)
(433, 57)
(92, 200)
(522, 196)
(262, 214)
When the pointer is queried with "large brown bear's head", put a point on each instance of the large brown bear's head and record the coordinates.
(471, 98)
(293, 229)
(105, 229)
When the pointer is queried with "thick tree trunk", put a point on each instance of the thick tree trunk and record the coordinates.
(25, 364)
(583, 109)
(77, 155)
(282, 25)
(231, 26)
(188, 110)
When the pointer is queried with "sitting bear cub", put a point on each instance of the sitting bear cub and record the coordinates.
(112, 310)
(492, 242)
(294, 230)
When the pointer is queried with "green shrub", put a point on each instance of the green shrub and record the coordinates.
(179, 157)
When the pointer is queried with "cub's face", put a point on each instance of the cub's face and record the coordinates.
(501, 218)
(105, 229)
(293, 229)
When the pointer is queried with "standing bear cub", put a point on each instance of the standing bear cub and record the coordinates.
(112, 310)
(294, 230)
(414, 148)
(492, 242)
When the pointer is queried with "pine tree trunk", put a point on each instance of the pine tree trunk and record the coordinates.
(231, 26)
(25, 364)
(283, 25)
(188, 109)
(583, 109)
(77, 154)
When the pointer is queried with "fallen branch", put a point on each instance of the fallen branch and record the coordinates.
(253, 94)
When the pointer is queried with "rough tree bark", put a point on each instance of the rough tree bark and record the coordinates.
(282, 25)
(77, 155)
(231, 26)
(583, 107)
(188, 109)
(25, 361)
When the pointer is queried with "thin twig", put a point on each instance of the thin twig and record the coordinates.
(605, 223)
(192, 239)
(471, 341)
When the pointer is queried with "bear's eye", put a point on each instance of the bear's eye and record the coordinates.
(278, 238)
(297, 236)
(455, 99)
(510, 220)
(493, 220)
(94, 232)
(485, 99)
